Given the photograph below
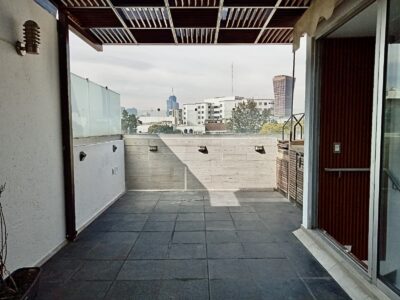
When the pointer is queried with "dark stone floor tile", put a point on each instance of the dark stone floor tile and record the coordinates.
(189, 237)
(59, 270)
(255, 237)
(126, 225)
(191, 208)
(162, 217)
(77, 250)
(268, 269)
(184, 289)
(242, 209)
(190, 226)
(149, 251)
(142, 270)
(99, 270)
(187, 251)
(216, 209)
(190, 217)
(225, 251)
(284, 288)
(228, 269)
(113, 245)
(222, 216)
(245, 217)
(302, 260)
(263, 250)
(219, 225)
(326, 289)
(234, 289)
(185, 269)
(249, 225)
(134, 290)
(159, 226)
(221, 237)
(154, 238)
(76, 290)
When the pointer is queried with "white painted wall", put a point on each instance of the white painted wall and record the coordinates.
(96, 186)
(30, 137)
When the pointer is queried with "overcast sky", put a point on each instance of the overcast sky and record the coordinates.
(145, 75)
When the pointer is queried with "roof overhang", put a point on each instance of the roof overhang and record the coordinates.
(183, 22)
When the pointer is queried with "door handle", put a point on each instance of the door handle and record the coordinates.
(340, 170)
(347, 169)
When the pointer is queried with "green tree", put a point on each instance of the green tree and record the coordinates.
(246, 117)
(162, 128)
(128, 122)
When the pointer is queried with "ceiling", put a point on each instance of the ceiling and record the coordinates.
(362, 25)
(183, 22)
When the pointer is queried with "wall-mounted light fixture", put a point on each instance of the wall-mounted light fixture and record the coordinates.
(115, 148)
(82, 156)
(203, 149)
(153, 148)
(31, 39)
(260, 149)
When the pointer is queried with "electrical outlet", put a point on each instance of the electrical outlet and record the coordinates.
(114, 170)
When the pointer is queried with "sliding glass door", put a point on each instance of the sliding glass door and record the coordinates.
(389, 224)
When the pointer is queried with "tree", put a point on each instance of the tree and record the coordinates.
(128, 122)
(162, 128)
(246, 117)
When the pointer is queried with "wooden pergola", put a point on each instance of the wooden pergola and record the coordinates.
(183, 22)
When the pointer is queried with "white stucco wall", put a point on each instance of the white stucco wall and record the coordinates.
(30, 137)
(96, 184)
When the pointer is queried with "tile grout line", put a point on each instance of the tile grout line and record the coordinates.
(206, 245)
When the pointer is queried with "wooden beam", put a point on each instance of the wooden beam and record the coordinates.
(66, 125)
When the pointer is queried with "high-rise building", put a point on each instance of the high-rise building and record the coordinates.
(283, 90)
(172, 104)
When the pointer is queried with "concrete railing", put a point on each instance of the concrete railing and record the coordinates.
(231, 163)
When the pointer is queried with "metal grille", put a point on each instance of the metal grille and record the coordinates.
(146, 17)
(295, 3)
(194, 3)
(85, 3)
(277, 36)
(244, 17)
(112, 35)
(195, 35)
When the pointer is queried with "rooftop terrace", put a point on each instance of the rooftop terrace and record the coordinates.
(190, 245)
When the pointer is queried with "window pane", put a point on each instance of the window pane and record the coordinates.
(389, 252)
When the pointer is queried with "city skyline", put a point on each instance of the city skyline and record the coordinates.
(146, 83)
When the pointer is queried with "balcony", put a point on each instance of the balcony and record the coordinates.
(190, 245)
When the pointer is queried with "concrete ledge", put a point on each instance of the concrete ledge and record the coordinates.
(354, 284)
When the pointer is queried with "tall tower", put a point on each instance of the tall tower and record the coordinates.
(172, 104)
(283, 90)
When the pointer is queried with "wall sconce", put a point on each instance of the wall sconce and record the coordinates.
(31, 39)
(153, 148)
(82, 156)
(115, 148)
(203, 149)
(260, 149)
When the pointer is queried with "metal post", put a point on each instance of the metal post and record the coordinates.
(66, 120)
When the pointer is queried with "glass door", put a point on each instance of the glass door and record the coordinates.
(389, 222)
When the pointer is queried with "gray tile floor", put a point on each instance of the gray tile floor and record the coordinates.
(190, 245)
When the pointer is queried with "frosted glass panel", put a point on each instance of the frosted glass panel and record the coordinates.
(96, 110)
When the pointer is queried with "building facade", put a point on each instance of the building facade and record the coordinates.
(283, 90)
(172, 104)
(218, 109)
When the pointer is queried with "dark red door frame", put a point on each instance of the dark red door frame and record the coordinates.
(346, 100)
(66, 125)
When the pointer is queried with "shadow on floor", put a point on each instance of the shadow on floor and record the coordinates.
(190, 245)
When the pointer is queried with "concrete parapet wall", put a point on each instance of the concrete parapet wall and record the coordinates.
(231, 163)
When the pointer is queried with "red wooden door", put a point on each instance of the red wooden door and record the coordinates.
(346, 98)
